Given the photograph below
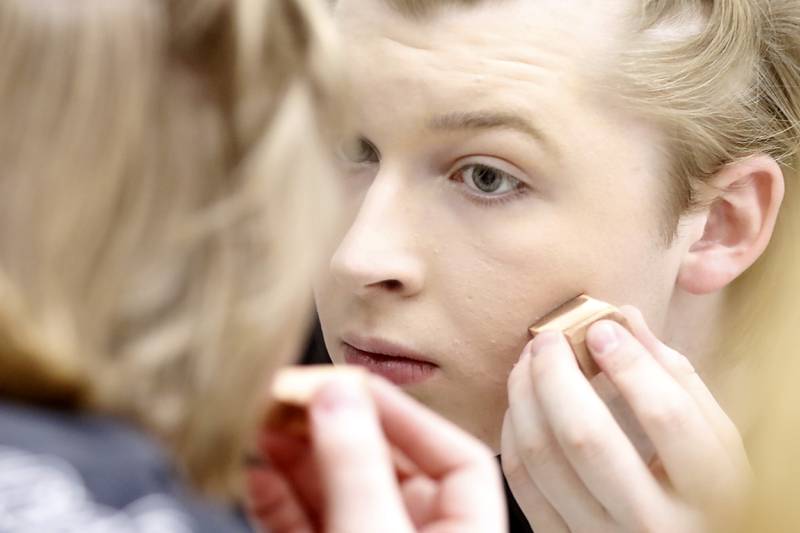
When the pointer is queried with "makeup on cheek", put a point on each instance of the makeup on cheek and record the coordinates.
(573, 319)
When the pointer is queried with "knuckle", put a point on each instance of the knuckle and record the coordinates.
(512, 464)
(627, 359)
(680, 364)
(668, 413)
(535, 452)
(585, 439)
(514, 471)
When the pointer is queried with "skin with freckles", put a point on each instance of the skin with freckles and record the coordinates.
(432, 261)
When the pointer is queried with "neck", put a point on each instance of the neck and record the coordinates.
(697, 328)
(694, 326)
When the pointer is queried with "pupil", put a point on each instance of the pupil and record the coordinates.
(486, 179)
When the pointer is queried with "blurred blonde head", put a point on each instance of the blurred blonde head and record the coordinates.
(163, 196)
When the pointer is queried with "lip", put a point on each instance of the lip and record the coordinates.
(393, 361)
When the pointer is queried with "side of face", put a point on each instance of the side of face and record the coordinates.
(495, 183)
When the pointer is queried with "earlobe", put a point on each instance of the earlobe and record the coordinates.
(737, 225)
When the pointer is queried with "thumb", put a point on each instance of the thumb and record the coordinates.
(361, 491)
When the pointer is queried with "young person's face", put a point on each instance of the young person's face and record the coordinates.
(503, 181)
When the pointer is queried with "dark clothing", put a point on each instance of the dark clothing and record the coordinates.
(517, 523)
(317, 354)
(64, 472)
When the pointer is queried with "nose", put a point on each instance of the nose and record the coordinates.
(379, 255)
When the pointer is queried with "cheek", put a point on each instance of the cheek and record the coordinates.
(505, 280)
(496, 287)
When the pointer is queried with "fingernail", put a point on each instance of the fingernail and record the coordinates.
(543, 340)
(602, 338)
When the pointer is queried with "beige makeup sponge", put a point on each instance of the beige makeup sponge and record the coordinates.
(573, 319)
(294, 387)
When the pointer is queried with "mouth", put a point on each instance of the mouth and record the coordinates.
(400, 365)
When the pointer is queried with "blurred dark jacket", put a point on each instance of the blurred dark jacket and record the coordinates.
(66, 472)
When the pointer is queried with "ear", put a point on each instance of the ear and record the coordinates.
(738, 224)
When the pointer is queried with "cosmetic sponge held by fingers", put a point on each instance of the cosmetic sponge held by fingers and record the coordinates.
(293, 388)
(573, 319)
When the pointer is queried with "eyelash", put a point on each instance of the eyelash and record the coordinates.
(520, 188)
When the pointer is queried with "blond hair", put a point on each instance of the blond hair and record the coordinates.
(722, 78)
(163, 196)
(725, 90)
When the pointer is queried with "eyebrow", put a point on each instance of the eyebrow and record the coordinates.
(487, 120)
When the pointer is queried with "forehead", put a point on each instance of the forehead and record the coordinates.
(546, 17)
(505, 37)
(516, 53)
(548, 62)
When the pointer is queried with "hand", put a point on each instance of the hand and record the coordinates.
(571, 467)
(345, 479)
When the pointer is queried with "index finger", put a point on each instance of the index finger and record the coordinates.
(435, 445)
(470, 491)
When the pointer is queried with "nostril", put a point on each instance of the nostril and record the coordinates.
(392, 285)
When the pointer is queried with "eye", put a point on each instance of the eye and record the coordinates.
(359, 150)
(487, 181)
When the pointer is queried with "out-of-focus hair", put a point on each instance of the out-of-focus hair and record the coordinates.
(164, 193)
(776, 472)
